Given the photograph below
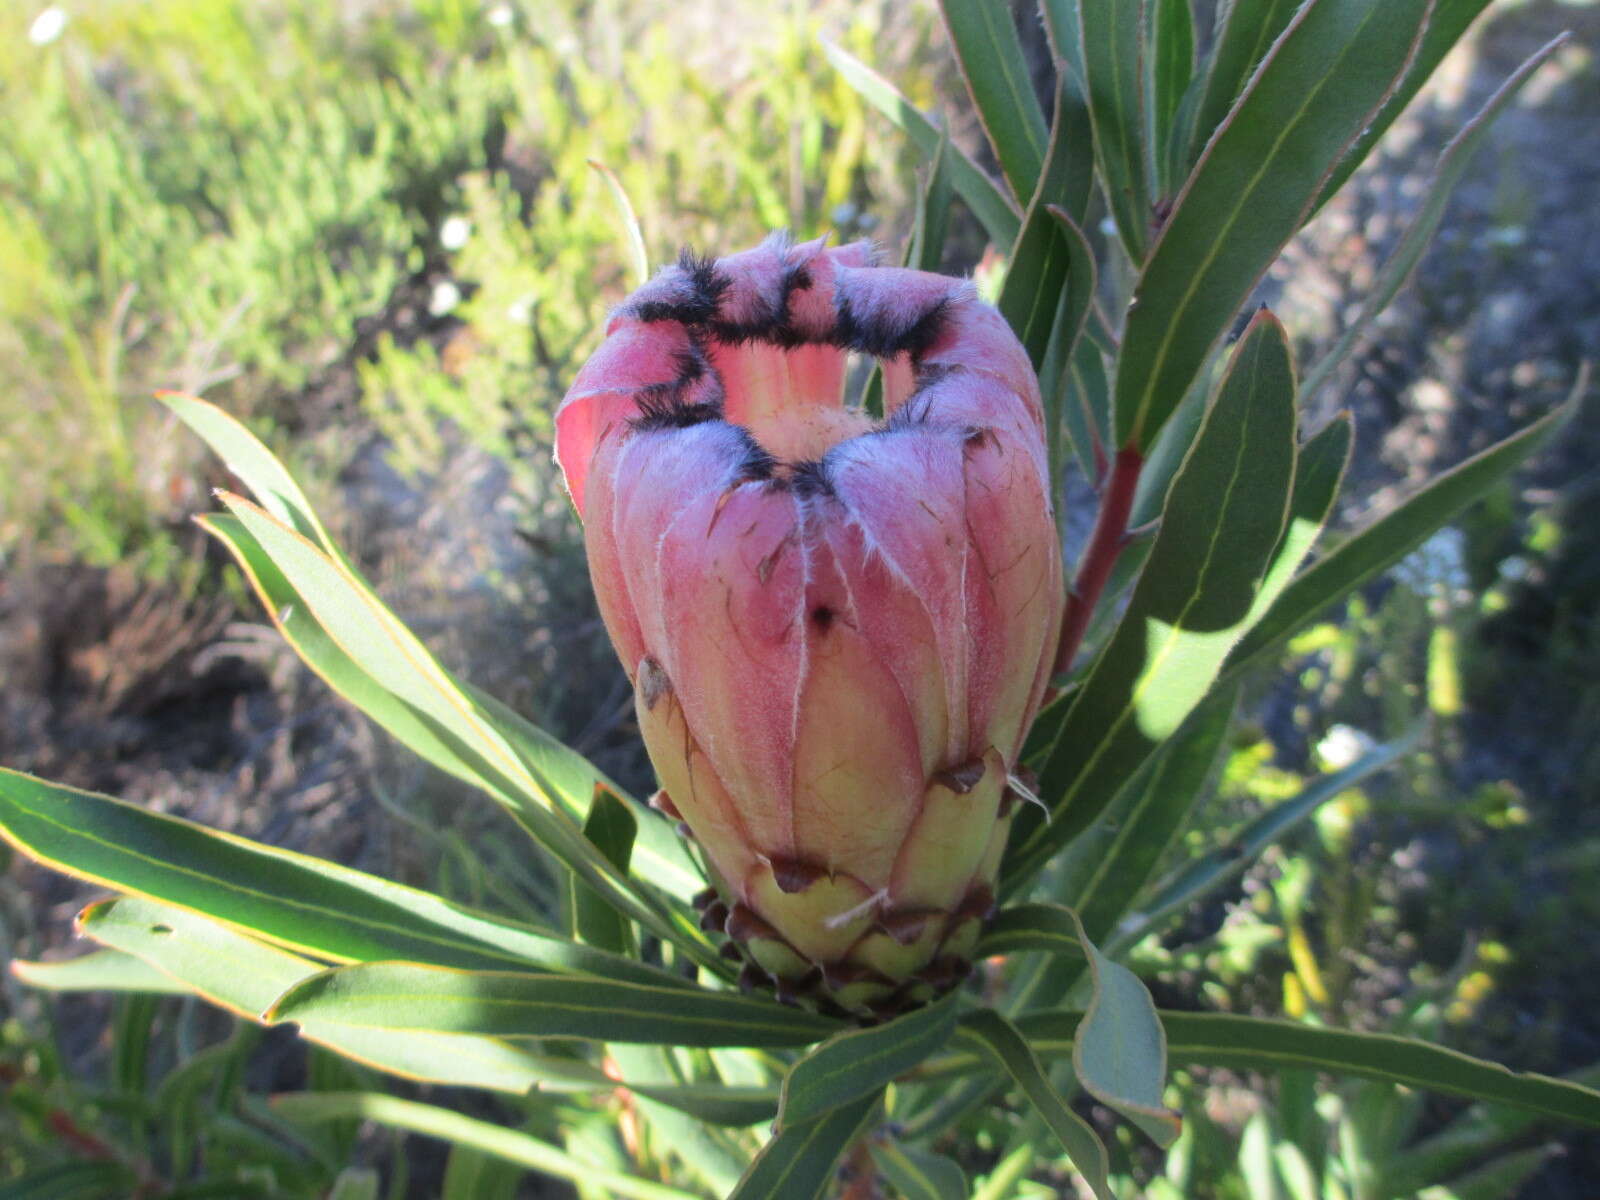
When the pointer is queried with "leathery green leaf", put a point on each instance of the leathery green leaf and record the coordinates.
(245, 976)
(1148, 817)
(850, 1065)
(1388, 539)
(1447, 22)
(1200, 876)
(1103, 868)
(1039, 926)
(229, 968)
(311, 1108)
(1397, 268)
(611, 827)
(992, 63)
(1254, 186)
(1223, 518)
(256, 467)
(569, 778)
(1253, 1043)
(919, 1175)
(925, 250)
(659, 856)
(658, 853)
(1267, 1045)
(1169, 66)
(519, 1004)
(799, 1160)
(1067, 410)
(1065, 37)
(97, 971)
(399, 664)
(1033, 291)
(1003, 1043)
(1120, 1052)
(1247, 31)
(999, 215)
(293, 900)
(1111, 42)
(1086, 406)
(638, 258)
(1466, 1139)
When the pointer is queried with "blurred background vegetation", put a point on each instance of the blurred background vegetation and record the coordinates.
(372, 229)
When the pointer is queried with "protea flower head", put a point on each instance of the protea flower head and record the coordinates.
(838, 628)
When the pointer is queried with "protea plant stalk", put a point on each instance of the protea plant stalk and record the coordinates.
(838, 628)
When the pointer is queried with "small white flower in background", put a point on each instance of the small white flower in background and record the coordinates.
(1343, 745)
(444, 297)
(455, 231)
(1439, 564)
(500, 15)
(47, 26)
(520, 312)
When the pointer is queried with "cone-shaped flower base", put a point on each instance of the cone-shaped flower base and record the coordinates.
(838, 628)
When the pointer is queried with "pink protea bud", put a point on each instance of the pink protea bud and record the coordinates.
(838, 628)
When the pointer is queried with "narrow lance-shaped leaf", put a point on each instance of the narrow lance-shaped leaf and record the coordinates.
(1223, 518)
(1246, 33)
(1209, 871)
(999, 215)
(1254, 186)
(245, 976)
(638, 259)
(399, 664)
(1111, 861)
(1263, 1044)
(249, 459)
(1155, 811)
(570, 778)
(1465, 1140)
(1111, 36)
(1064, 34)
(1400, 264)
(1169, 68)
(310, 1108)
(1447, 22)
(1086, 405)
(991, 59)
(1065, 409)
(658, 852)
(1037, 276)
(294, 900)
(861, 1062)
(1040, 926)
(799, 1161)
(611, 827)
(1000, 1041)
(97, 971)
(924, 250)
(1389, 539)
(517, 1004)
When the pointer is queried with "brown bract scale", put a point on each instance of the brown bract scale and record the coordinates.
(838, 628)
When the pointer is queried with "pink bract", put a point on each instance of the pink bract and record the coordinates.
(839, 629)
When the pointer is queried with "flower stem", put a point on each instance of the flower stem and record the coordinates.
(1105, 543)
